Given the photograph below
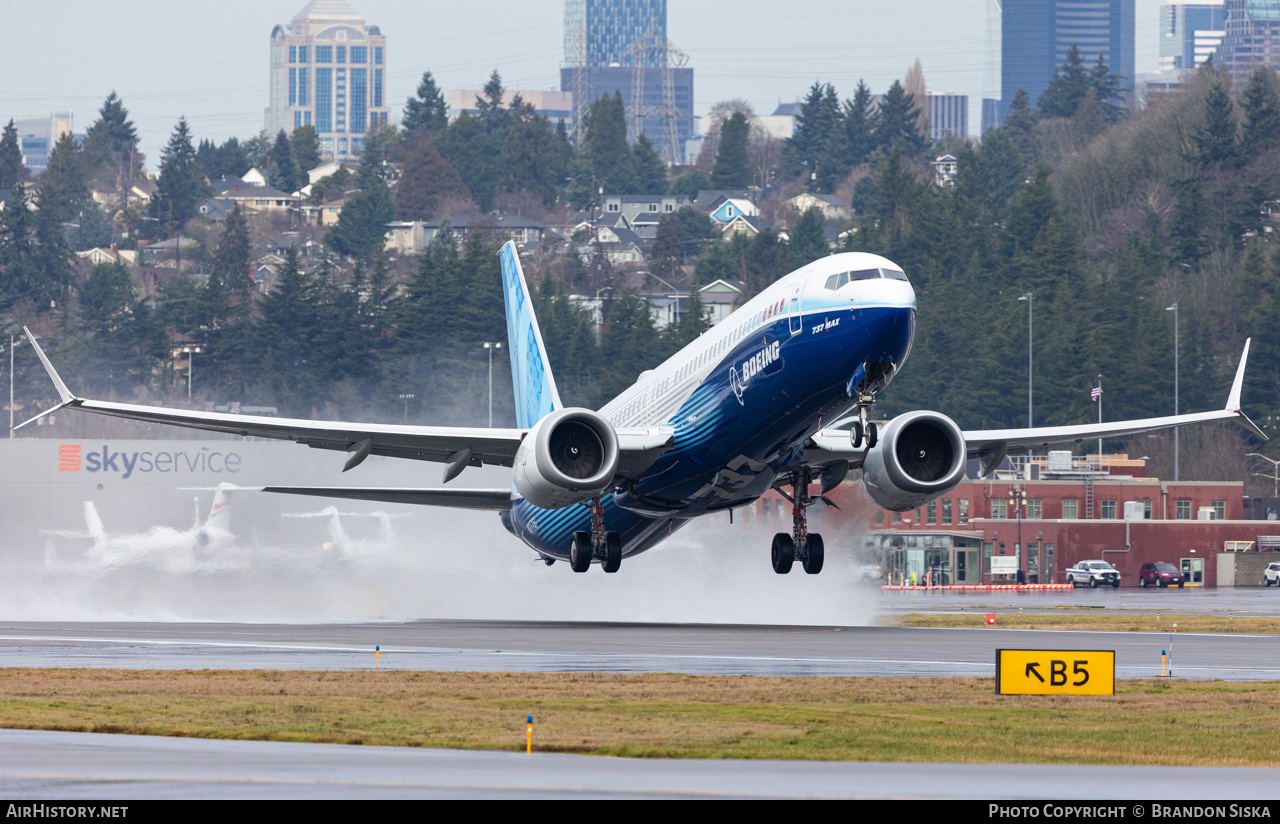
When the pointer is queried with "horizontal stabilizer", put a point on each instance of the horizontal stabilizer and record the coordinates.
(497, 500)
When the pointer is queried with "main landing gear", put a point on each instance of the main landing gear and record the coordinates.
(802, 544)
(585, 547)
(862, 429)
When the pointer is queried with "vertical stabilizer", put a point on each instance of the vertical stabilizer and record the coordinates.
(220, 509)
(93, 523)
(535, 388)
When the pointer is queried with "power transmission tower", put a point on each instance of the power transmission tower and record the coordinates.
(575, 52)
(654, 50)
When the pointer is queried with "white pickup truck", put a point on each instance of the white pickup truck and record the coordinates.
(1093, 573)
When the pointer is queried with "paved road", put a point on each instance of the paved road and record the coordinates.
(578, 647)
(57, 765)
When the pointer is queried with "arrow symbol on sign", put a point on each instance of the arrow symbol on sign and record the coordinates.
(1031, 670)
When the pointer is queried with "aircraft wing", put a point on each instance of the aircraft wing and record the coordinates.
(457, 446)
(991, 445)
(487, 499)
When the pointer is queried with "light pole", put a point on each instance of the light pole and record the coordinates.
(1030, 299)
(190, 352)
(1275, 466)
(13, 342)
(1174, 310)
(490, 346)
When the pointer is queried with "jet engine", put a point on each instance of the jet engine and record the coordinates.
(918, 456)
(567, 457)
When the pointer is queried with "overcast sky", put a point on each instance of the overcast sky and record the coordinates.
(208, 61)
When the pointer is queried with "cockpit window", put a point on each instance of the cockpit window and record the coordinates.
(831, 282)
(865, 274)
(894, 274)
(837, 281)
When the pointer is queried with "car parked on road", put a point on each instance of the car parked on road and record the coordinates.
(1271, 576)
(1093, 573)
(1161, 574)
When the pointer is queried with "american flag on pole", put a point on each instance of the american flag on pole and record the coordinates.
(1097, 391)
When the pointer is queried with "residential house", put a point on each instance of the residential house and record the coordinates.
(215, 209)
(525, 231)
(97, 256)
(406, 237)
(708, 199)
(252, 196)
(741, 225)
(254, 177)
(729, 208)
(617, 244)
(720, 298)
(832, 208)
(326, 214)
(944, 170)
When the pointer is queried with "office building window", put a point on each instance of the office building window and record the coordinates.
(293, 87)
(359, 101)
(302, 54)
(341, 54)
(306, 118)
(304, 93)
(1109, 509)
(377, 55)
(999, 508)
(1146, 510)
(324, 99)
(932, 512)
(324, 54)
(359, 54)
(1182, 510)
(297, 120)
(293, 54)
(1219, 509)
(1070, 508)
(964, 510)
(946, 510)
(377, 88)
(1034, 508)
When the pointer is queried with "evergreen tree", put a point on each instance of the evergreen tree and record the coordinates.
(286, 336)
(123, 339)
(1106, 89)
(305, 143)
(378, 145)
(471, 150)
(899, 123)
(12, 171)
(283, 171)
(362, 226)
(808, 238)
(733, 165)
(816, 127)
(64, 186)
(1215, 142)
(1068, 87)
(427, 111)
(1020, 125)
(496, 116)
(651, 171)
(21, 279)
(112, 138)
(860, 124)
(530, 156)
(605, 151)
(690, 183)
(232, 257)
(181, 186)
(666, 255)
(1261, 105)
(93, 230)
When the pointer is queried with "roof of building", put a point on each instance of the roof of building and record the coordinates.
(498, 221)
(709, 199)
(337, 10)
(787, 109)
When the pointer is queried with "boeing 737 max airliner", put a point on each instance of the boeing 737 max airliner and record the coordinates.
(773, 397)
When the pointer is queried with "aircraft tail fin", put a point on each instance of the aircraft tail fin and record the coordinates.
(220, 509)
(535, 388)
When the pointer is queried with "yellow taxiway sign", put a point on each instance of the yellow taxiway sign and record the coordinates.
(1055, 672)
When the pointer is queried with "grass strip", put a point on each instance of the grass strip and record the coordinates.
(674, 716)
(1109, 621)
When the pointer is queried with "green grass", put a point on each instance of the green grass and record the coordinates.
(677, 716)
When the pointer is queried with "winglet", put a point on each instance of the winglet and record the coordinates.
(1233, 400)
(63, 392)
(535, 388)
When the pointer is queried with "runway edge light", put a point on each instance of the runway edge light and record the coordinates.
(528, 742)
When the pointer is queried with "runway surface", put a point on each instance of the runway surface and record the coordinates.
(61, 765)
(1236, 601)
(627, 648)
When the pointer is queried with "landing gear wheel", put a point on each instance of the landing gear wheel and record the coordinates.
(580, 552)
(612, 552)
(783, 553)
(812, 562)
(872, 435)
(855, 435)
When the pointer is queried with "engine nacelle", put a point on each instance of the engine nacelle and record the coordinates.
(918, 456)
(568, 457)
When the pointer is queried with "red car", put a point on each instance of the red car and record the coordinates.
(1161, 575)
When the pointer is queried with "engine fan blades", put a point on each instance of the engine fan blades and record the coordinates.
(576, 450)
(925, 453)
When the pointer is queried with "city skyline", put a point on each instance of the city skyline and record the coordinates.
(204, 63)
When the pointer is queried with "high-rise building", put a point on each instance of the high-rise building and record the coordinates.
(948, 115)
(611, 27)
(1035, 36)
(328, 70)
(37, 135)
(1190, 33)
(621, 46)
(1252, 37)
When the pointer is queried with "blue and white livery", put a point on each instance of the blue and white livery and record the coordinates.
(773, 397)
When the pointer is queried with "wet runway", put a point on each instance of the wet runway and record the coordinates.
(60, 765)
(626, 648)
(1236, 601)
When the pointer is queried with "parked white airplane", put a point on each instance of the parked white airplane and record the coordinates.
(341, 542)
(203, 545)
(758, 402)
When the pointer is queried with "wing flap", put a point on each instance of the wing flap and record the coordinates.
(495, 500)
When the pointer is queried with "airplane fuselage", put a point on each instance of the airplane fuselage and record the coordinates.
(743, 398)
